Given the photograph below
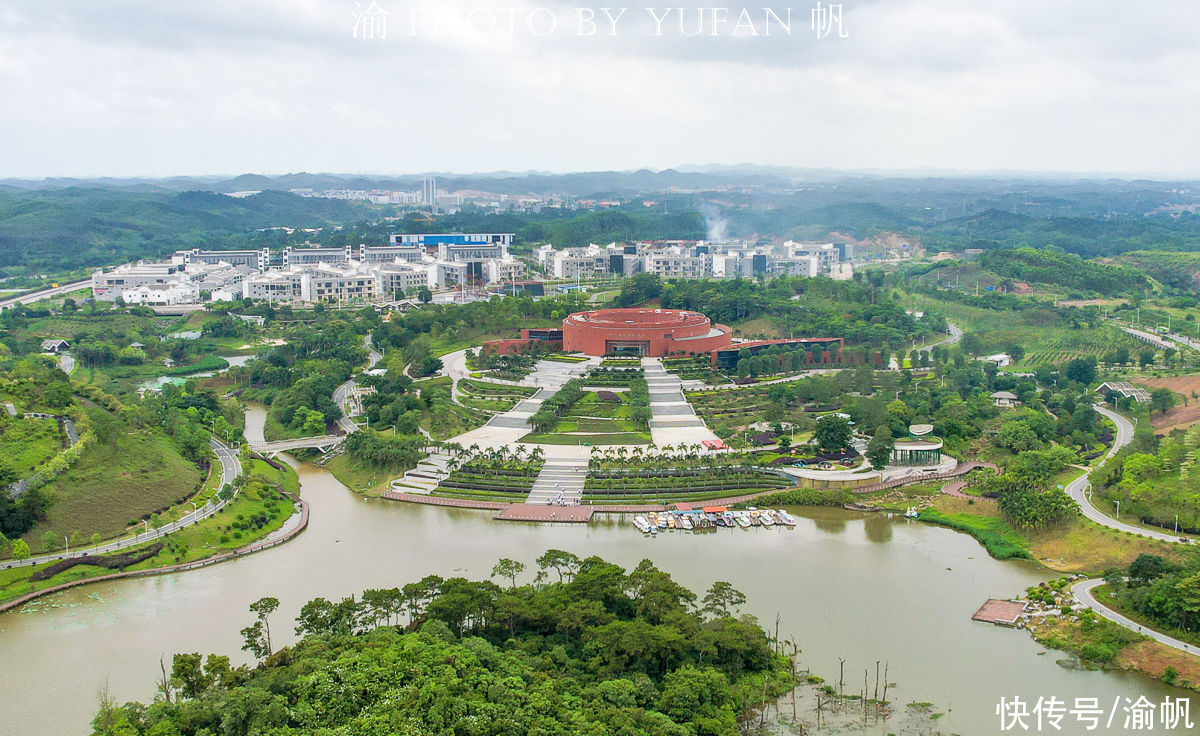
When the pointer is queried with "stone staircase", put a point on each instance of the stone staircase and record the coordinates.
(668, 408)
(425, 477)
(559, 478)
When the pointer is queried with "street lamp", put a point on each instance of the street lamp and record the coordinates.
(1118, 509)
(68, 541)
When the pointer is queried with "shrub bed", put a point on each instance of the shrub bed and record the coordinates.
(110, 562)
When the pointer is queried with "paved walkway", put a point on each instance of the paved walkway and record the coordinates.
(673, 421)
(1083, 593)
(231, 468)
(1078, 488)
(559, 480)
(274, 540)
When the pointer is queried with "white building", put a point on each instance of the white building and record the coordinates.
(312, 255)
(162, 295)
(108, 285)
(255, 259)
(397, 278)
(825, 253)
(503, 269)
(278, 285)
(340, 283)
(570, 263)
(390, 253)
(676, 263)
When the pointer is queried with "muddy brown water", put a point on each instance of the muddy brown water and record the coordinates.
(857, 586)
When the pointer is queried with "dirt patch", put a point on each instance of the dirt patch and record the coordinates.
(1182, 385)
(1180, 416)
(1090, 302)
(1154, 658)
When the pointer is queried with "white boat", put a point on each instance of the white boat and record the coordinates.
(685, 521)
(743, 520)
(766, 517)
(911, 512)
(642, 525)
(785, 518)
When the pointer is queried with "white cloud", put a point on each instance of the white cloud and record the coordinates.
(132, 87)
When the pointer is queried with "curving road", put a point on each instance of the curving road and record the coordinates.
(45, 294)
(1083, 593)
(1078, 488)
(231, 468)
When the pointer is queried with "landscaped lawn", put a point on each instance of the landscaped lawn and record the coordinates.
(256, 512)
(622, 438)
(113, 484)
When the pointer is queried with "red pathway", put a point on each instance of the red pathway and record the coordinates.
(545, 512)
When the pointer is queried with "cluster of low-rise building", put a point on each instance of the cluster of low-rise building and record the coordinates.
(309, 274)
(698, 260)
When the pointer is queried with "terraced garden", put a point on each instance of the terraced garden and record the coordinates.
(602, 417)
(677, 484)
(492, 397)
(488, 480)
(695, 369)
(740, 407)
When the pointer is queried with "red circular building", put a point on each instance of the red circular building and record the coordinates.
(649, 333)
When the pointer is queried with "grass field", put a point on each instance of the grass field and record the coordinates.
(28, 443)
(1083, 546)
(113, 484)
(360, 478)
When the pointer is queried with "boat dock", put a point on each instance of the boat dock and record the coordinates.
(545, 512)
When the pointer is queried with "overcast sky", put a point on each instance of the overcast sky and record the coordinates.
(178, 87)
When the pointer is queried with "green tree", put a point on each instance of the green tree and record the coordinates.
(1082, 370)
(722, 600)
(1162, 399)
(507, 568)
(49, 541)
(263, 608)
(879, 449)
(832, 433)
(188, 675)
(20, 550)
(254, 641)
(424, 295)
(563, 563)
(8, 474)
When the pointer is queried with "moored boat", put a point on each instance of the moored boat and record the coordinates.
(642, 524)
(785, 518)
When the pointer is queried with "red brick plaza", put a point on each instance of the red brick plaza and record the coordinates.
(651, 333)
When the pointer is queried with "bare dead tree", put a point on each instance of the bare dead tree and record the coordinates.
(164, 683)
(841, 677)
(877, 679)
(885, 682)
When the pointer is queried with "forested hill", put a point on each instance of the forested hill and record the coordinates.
(597, 651)
(56, 229)
(1086, 236)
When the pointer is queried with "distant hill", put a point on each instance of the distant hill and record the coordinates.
(84, 227)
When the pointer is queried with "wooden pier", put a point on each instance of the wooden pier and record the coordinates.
(545, 512)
